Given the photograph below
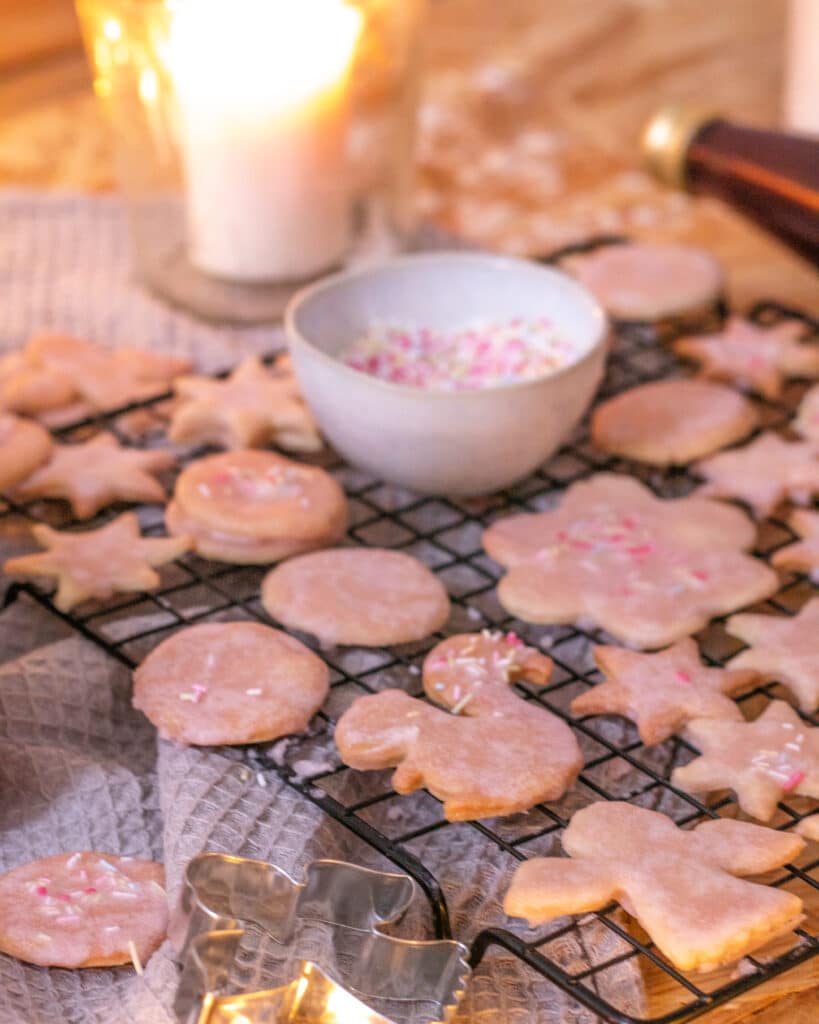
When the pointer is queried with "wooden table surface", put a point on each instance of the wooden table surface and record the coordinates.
(532, 110)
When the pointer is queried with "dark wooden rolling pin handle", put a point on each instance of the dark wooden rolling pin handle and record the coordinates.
(771, 177)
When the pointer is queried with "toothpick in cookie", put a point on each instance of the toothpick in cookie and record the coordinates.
(802, 555)
(251, 408)
(761, 761)
(662, 692)
(755, 357)
(763, 474)
(783, 649)
(97, 473)
(684, 886)
(114, 559)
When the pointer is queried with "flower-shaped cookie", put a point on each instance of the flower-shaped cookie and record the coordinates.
(249, 409)
(759, 358)
(662, 692)
(115, 559)
(97, 473)
(646, 570)
(803, 555)
(783, 649)
(684, 886)
(760, 760)
(763, 473)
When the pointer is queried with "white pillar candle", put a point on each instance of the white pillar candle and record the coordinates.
(262, 92)
(802, 67)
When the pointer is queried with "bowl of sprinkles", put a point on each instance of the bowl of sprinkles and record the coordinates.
(449, 373)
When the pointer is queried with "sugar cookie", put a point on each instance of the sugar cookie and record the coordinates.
(366, 597)
(803, 555)
(685, 887)
(807, 416)
(24, 446)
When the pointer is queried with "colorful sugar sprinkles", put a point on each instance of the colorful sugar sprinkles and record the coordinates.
(477, 355)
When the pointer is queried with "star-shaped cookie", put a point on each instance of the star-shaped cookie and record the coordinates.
(114, 559)
(755, 357)
(760, 761)
(763, 473)
(807, 416)
(783, 649)
(803, 555)
(649, 571)
(249, 409)
(97, 473)
(662, 692)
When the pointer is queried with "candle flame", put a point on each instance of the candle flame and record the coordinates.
(260, 55)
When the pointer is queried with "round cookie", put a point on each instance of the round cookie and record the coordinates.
(254, 507)
(648, 281)
(84, 909)
(230, 683)
(365, 597)
(672, 422)
(24, 447)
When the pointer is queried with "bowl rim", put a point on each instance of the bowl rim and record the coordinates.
(509, 263)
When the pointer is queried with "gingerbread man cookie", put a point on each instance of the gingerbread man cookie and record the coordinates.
(24, 445)
(761, 761)
(97, 473)
(802, 556)
(685, 887)
(251, 408)
(114, 559)
(763, 473)
(758, 358)
(648, 281)
(672, 422)
(481, 764)
(807, 416)
(648, 571)
(83, 909)
(229, 683)
(783, 649)
(662, 692)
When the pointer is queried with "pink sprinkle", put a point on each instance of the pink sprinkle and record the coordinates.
(199, 689)
(627, 523)
(42, 890)
(641, 549)
(793, 781)
(64, 897)
(683, 677)
(90, 890)
(223, 478)
(513, 640)
(582, 545)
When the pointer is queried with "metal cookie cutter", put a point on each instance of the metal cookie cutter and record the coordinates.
(222, 897)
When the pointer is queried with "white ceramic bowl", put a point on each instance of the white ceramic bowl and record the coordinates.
(444, 442)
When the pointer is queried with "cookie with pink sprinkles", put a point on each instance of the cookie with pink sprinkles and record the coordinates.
(84, 909)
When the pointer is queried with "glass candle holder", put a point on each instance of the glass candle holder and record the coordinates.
(259, 143)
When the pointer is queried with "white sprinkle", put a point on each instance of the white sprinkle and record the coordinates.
(135, 957)
(111, 928)
(156, 887)
(106, 866)
(255, 692)
(187, 696)
(123, 894)
(458, 708)
(261, 780)
(42, 938)
(72, 861)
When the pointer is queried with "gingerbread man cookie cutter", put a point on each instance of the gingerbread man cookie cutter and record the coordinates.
(222, 897)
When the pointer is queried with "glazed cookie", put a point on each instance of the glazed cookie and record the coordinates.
(364, 597)
(83, 909)
(761, 761)
(647, 281)
(476, 670)
(807, 416)
(97, 473)
(758, 358)
(253, 507)
(763, 474)
(672, 422)
(783, 649)
(230, 683)
(648, 571)
(251, 408)
(685, 887)
(24, 446)
(115, 559)
(802, 556)
(662, 692)
(481, 764)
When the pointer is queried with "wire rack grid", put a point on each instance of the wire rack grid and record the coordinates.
(445, 534)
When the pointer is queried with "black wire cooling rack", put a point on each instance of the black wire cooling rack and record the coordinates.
(445, 534)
